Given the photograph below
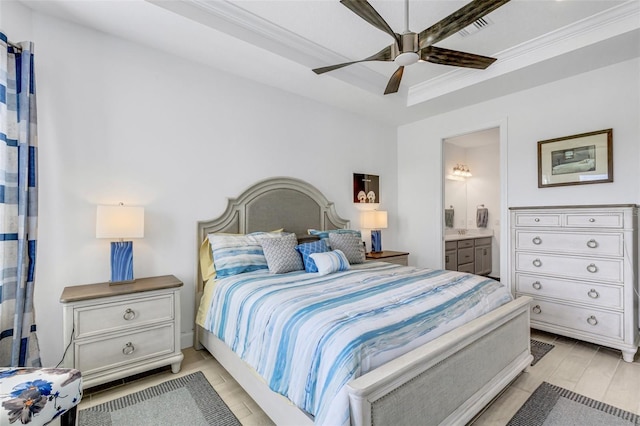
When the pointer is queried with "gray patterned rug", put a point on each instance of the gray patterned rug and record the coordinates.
(539, 349)
(551, 405)
(188, 400)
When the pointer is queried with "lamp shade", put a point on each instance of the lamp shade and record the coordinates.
(373, 219)
(120, 222)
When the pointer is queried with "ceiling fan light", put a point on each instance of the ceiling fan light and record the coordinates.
(406, 58)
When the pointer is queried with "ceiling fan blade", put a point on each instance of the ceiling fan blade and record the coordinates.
(363, 9)
(394, 81)
(459, 19)
(383, 55)
(438, 55)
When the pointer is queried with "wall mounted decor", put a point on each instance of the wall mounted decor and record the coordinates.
(576, 160)
(366, 188)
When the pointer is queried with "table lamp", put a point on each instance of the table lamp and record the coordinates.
(374, 220)
(120, 222)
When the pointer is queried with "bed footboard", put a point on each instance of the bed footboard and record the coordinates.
(449, 380)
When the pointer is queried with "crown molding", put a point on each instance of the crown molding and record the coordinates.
(607, 24)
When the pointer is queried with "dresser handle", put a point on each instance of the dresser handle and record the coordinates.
(592, 268)
(592, 220)
(128, 348)
(537, 241)
(592, 243)
(537, 309)
(593, 294)
(129, 314)
(537, 263)
(536, 285)
(537, 219)
(592, 320)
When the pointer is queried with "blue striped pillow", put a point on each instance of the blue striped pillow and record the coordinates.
(331, 261)
(235, 254)
(307, 249)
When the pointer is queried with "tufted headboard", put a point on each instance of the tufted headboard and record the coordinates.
(274, 203)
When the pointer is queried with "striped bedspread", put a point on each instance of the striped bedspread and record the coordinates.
(309, 335)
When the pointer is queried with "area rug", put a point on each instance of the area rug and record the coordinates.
(539, 349)
(551, 405)
(188, 400)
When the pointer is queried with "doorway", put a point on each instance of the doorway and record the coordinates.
(472, 202)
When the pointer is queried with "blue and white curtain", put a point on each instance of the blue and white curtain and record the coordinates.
(18, 204)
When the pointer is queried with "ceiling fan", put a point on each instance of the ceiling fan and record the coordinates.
(409, 47)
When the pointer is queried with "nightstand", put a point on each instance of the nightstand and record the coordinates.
(398, 257)
(114, 331)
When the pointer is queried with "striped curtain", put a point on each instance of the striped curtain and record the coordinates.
(18, 204)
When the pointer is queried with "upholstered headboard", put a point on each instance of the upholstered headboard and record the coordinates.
(274, 203)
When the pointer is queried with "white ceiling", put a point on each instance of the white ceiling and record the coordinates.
(277, 43)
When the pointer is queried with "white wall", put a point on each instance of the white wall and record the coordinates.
(601, 99)
(122, 122)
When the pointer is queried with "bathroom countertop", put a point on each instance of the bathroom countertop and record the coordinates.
(467, 236)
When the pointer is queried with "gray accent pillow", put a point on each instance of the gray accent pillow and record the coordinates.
(350, 244)
(281, 254)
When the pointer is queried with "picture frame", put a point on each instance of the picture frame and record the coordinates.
(366, 188)
(580, 159)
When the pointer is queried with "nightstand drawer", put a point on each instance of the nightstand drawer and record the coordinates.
(113, 317)
(93, 355)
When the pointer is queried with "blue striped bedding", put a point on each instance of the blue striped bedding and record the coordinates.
(308, 335)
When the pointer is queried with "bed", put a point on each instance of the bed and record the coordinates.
(447, 380)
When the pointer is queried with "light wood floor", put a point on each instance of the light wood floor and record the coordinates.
(584, 368)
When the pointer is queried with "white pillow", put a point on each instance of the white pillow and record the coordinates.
(330, 261)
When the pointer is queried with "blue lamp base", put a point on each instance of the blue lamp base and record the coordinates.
(121, 262)
(376, 241)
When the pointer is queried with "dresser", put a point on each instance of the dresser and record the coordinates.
(114, 331)
(579, 263)
(397, 257)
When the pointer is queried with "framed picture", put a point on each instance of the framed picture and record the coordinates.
(366, 188)
(576, 160)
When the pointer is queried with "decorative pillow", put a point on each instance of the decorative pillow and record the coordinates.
(307, 249)
(235, 254)
(281, 254)
(350, 244)
(324, 235)
(331, 261)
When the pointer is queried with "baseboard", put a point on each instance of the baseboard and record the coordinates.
(186, 339)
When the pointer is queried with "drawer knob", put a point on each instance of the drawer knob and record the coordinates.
(537, 241)
(593, 293)
(592, 320)
(536, 285)
(592, 220)
(592, 243)
(537, 219)
(537, 263)
(592, 268)
(129, 314)
(128, 348)
(537, 309)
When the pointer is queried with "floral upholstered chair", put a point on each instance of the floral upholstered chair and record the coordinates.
(37, 396)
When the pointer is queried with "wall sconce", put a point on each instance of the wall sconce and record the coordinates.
(462, 170)
(374, 220)
(120, 222)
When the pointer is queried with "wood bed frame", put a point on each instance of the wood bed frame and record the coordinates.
(447, 381)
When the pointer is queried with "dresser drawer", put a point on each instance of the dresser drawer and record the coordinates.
(610, 270)
(116, 316)
(599, 295)
(542, 219)
(595, 220)
(103, 354)
(596, 244)
(593, 321)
